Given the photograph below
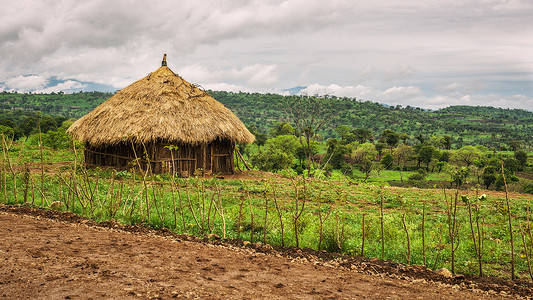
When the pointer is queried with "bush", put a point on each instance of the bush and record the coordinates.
(271, 160)
(387, 161)
(418, 176)
(527, 187)
(7, 131)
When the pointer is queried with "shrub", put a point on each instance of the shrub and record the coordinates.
(527, 187)
(419, 175)
(387, 161)
(272, 160)
(7, 131)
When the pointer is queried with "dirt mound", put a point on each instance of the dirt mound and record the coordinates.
(49, 254)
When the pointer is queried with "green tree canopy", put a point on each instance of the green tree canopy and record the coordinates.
(363, 135)
(467, 154)
(390, 137)
(282, 128)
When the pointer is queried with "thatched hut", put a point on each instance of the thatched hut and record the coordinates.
(164, 124)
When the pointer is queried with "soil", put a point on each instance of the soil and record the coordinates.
(48, 254)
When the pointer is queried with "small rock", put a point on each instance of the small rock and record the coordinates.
(56, 205)
(267, 247)
(246, 243)
(444, 272)
(213, 236)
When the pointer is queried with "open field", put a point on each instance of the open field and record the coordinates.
(458, 230)
(52, 255)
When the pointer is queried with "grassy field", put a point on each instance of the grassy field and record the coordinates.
(407, 225)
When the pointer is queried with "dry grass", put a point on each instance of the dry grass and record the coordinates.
(160, 107)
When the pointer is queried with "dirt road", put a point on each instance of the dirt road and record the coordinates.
(50, 255)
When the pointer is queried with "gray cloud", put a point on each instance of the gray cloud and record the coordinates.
(423, 52)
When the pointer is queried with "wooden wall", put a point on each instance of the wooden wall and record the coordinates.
(165, 157)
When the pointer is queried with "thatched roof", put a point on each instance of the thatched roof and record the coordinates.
(160, 107)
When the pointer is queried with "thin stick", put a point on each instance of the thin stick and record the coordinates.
(266, 219)
(382, 229)
(42, 158)
(509, 216)
(424, 232)
(408, 240)
(278, 209)
(251, 218)
(363, 236)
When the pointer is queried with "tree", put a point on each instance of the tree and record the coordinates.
(309, 114)
(7, 131)
(468, 154)
(282, 128)
(286, 143)
(379, 147)
(489, 175)
(364, 156)
(346, 134)
(260, 138)
(362, 135)
(444, 156)
(390, 137)
(521, 156)
(447, 142)
(402, 154)
(421, 139)
(436, 141)
(426, 154)
(458, 174)
(387, 161)
(365, 151)
(336, 153)
(515, 145)
(511, 164)
(404, 137)
(271, 159)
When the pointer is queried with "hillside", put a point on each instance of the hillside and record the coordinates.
(464, 124)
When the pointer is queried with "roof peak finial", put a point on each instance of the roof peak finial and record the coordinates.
(164, 62)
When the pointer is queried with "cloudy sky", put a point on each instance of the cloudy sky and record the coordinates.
(424, 53)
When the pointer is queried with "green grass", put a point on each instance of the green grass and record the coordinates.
(237, 209)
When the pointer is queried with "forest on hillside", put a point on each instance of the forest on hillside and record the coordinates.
(465, 125)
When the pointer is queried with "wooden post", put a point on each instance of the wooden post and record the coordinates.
(204, 158)
(212, 159)
(240, 155)
(231, 158)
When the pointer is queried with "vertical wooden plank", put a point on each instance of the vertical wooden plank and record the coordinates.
(212, 158)
(232, 158)
(204, 158)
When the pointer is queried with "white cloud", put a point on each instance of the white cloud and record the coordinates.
(424, 52)
(68, 86)
(398, 71)
(414, 96)
(256, 76)
(225, 87)
(26, 83)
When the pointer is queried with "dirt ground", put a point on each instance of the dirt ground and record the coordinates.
(46, 254)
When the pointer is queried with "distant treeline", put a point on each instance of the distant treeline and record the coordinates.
(474, 125)
(58, 104)
(466, 125)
